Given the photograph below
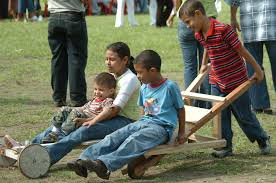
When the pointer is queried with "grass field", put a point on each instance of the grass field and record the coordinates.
(26, 105)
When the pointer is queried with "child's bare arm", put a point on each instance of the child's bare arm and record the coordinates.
(258, 75)
(204, 62)
(107, 113)
(234, 22)
(181, 138)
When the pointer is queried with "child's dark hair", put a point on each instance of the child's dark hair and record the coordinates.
(189, 7)
(105, 79)
(122, 50)
(149, 59)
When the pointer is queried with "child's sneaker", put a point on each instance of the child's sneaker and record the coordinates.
(265, 146)
(52, 137)
(34, 18)
(40, 18)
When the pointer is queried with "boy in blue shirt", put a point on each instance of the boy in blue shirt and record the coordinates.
(162, 107)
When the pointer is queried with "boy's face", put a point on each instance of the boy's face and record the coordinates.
(101, 92)
(194, 22)
(144, 75)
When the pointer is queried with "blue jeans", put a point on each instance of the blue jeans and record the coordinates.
(246, 119)
(67, 37)
(192, 52)
(37, 5)
(258, 92)
(126, 144)
(82, 134)
(25, 4)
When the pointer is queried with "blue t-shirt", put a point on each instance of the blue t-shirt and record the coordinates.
(161, 104)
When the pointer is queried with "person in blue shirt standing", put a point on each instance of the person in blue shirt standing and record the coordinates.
(162, 108)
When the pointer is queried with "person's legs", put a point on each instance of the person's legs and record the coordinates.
(247, 119)
(271, 47)
(226, 129)
(192, 53)
(130, 143)
(69, 124)
(159, 13)
(119, 20)
(167, 11)
(76, 39)
(258, 92)
(82, 134)
(39, 138)
(130, 13)
(59, 63)
(188, 47)
(152, 11)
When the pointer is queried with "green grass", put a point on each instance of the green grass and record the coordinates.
(26, 106)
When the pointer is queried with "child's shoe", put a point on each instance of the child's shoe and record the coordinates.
(96, 166)
(265, 146)
(34, 18)
(222, 153)
(40, 18)
(52, 137)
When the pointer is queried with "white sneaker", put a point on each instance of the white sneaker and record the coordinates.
(40, 18)
(34, 18)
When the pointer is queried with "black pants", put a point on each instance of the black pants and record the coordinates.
(4, 8)
(67, 37)
(164, 8)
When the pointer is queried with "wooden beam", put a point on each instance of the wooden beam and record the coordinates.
(194, 114)
(217, 108)
(201, 96)
(198, 80)
(169, 149)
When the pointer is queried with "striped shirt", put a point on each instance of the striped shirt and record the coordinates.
(95, 107)
(257, 19)
(228, 69)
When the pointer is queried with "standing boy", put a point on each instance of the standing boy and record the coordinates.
(162, 107)
(228, 71)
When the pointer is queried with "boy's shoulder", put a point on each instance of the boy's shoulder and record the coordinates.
(168, 83)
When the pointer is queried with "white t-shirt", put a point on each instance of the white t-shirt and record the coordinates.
(127, 92)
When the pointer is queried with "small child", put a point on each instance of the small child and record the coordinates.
(70, 118)
(228, 71)
(162, 108)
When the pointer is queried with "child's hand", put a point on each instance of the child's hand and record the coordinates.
(88, 123)
(180, 139)
(258, 76)
(203, 68)
(80, 121)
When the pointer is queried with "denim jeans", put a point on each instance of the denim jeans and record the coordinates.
(246, 119)
(258, 92)
(67, 37)
(126, 144)
(192, 52)
(25, 4)
(82, 134)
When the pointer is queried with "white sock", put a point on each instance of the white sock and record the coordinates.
(55, 129)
